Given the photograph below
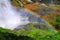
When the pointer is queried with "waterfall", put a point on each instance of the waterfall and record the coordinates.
(9, 18)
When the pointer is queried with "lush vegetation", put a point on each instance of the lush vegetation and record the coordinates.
(56, 22)
(30, 34)
(6, 34)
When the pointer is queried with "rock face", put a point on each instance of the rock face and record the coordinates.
(32, 26)
(44, 1)
(39, 9)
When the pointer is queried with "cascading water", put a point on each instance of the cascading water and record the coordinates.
(9, 18)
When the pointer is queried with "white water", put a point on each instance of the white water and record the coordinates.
(9, 18)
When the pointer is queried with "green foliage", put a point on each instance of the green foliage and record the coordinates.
(30, 34)
(56, 22)
(7, 34)
(44, 7)
(38, 34)
(10, 35)
(35, 33)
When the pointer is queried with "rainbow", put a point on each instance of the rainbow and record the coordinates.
(47, 23)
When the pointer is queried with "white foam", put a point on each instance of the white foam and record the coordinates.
(8, 17)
